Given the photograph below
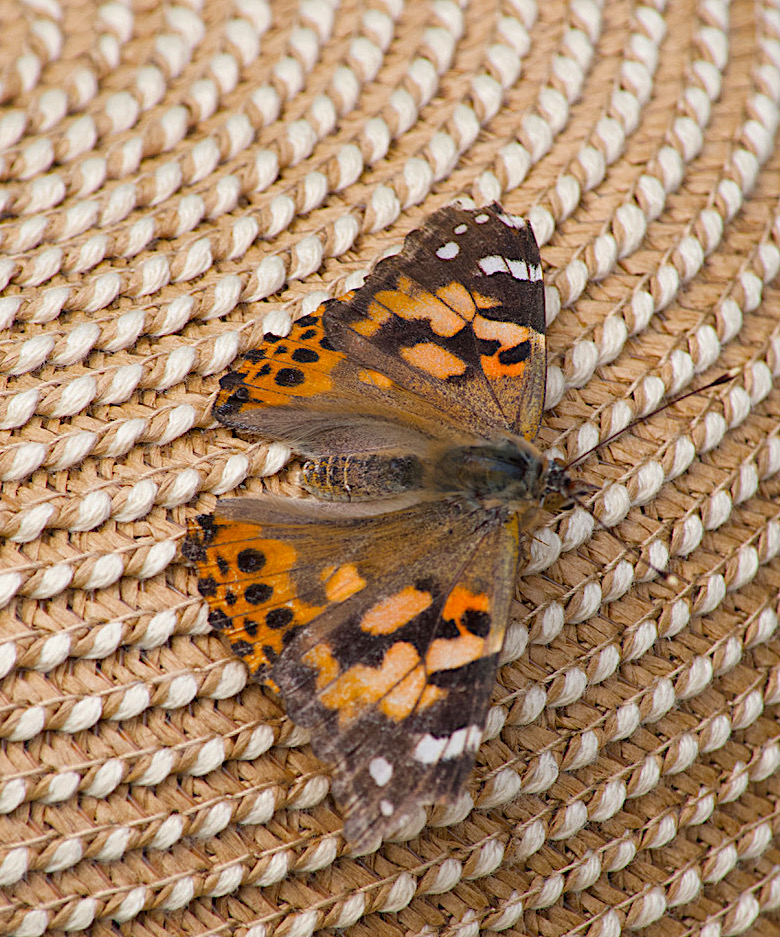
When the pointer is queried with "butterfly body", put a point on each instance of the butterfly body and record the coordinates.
(359, 478)
(378, 608)
(505, 471)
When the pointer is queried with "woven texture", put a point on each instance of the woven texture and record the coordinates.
(178, 179)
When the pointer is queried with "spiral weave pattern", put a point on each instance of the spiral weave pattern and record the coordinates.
(178, 180)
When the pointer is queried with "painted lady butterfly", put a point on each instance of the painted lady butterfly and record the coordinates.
(379, 609)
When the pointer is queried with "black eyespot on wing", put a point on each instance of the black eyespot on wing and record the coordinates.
(258, 593)
(447, 629)
(477, 622)
(207, 586)
(242, 648)
(279, 617)
(289, 377)
(231, 379)
(218, 619)
(250, 560)
(305, 356)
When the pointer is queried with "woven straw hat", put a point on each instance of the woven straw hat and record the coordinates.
(178, 179)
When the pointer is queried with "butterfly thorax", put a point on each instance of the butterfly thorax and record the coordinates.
(509, 473)
(491, 475)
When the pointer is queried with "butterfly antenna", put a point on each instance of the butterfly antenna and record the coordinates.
(670, 578)
(723, 379)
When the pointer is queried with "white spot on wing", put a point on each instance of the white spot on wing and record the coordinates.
(511, 221)
(518, 269)
(428, 750)
(380, 770)
(386, 808)
(481, 219)
(535, 272)
(448, 251)
(455, 744)
(461, 229)
(494, 263)
(473, 738)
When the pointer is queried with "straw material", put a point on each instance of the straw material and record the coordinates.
(178, 179)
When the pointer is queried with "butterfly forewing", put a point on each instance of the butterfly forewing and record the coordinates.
(459, 317)
(413, 351)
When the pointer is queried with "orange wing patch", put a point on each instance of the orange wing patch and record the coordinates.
(458, 298)
(298, 365)
(470, 613)
(408, 301)
(397, 686)
(375, 379)
(342, 583)
(247, 581)
(434, 360)
(396, 611)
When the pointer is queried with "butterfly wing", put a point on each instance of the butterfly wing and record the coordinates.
(268, 566)
(301, 390)
(402, 725)
(394, 668)
(445, 338)
(458, 317)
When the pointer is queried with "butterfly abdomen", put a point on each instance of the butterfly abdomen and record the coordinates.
(361, 477)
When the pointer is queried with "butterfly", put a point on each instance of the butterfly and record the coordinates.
(378, 607)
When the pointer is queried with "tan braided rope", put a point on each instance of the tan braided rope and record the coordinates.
(178, 179)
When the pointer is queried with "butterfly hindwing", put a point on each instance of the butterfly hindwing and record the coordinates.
(269, 566)
(299, 389)
(396, 686)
